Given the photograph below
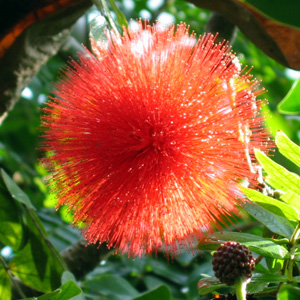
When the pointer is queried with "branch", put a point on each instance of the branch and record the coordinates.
(82, 259)
(225, 29)
(236, 13)
(29, 51)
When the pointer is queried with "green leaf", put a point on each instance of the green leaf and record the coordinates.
(296, 279)
(259, 268)
(291, 199)
(169, 271)
(274, 265)
(121, 19)
(68, 291)
(271, 278)
(36, 265)
(256, 287)
(5, 287)
(68, 276)
(287, 147)
(15, 191)
(23, 265)
(208, 285)
(290, 104)
(272, 205)
(65, 292)
(262, 246)
(185, 258)
(258, 282)
(61, 235)
(273, 222)
(288, 292)
(11, 229)
(278, 176)
(161, 292)
(286, 12)
(111, 287)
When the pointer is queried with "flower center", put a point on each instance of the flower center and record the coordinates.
(149, 140)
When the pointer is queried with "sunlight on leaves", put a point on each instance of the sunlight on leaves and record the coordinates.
(272, 205)
(278, 176)
(287, 147)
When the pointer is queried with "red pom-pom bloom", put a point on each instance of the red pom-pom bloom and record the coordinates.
(148, 139)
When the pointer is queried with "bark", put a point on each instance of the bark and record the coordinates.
(23, 54)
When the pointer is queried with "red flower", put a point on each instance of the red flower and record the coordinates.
(147, 141)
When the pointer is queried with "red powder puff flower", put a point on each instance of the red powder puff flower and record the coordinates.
(148, 139)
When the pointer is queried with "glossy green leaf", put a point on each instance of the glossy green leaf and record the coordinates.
(272, 205)
(257, 284)
(260, 268)
(36, 265)
(256, 287)
(5, 287)
(208, 285)
(68, 276)
(271, 278)
(278, 176)
(273, 222)
(262, 246)
(39, 254)
(287, 147)
(111, 287)
(67, 291)
(274, 265)
(290, 104)
(11, 229)
(288, 292)
(286, 12)
(291, 199)
(15, 191)
(23, 265)
(161, 292)
(121, 19)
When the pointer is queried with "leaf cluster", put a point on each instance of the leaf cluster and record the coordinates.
(277, 207)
